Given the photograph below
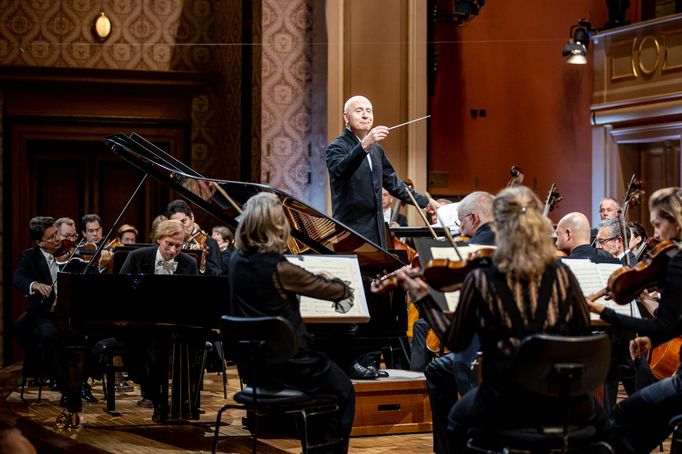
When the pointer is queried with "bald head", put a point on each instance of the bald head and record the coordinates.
(573, 230)
(359, 116)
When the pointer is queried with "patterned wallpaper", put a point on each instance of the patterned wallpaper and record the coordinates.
(286, 93)
(145, 34)
(159, 35)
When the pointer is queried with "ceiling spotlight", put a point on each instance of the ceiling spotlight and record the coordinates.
(576, 49)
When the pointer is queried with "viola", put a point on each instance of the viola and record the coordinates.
(665, 359)
(444, 275)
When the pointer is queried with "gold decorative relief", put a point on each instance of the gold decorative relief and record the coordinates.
(648, 54)
(622, 64)
(672, 43)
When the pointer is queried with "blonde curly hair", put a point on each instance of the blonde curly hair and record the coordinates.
(522, 234)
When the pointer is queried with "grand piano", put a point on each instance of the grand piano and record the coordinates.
(312, 233)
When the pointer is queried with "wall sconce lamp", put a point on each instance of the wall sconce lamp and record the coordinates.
(579, 40)
(101, 27)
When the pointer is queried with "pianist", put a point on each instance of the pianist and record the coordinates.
(264, 283)
(148, 358)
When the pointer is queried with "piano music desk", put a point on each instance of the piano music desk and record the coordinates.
(394, 405)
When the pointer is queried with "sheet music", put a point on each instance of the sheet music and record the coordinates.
(452, 298)
(593, 277)
(346, 268)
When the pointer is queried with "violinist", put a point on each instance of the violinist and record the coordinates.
(611, 239)
(638, 239)
(387, 206)
(127, 234)
(66, 227)
(573, 238)
(609, 208)
(526, 291)
(452, 373)
(432, 212)
(179, 210)
(263, 282)
(225, 240)
(92, 234)
(36, 277)
(641, 420)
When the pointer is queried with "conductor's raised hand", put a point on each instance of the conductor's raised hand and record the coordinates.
(375, 135)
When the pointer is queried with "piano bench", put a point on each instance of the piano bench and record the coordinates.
(106, 350)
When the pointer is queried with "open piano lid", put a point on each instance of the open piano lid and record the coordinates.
(311, 231)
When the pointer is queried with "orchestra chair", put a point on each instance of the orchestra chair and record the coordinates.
(257, 342)
(33, 366)
(676, 425)
(557, 367)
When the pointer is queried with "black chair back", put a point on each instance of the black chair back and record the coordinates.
(562, 366)
(271, 339)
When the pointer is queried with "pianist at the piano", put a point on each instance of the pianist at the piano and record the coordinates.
(35, 276)
(262, 282)
(149, 356)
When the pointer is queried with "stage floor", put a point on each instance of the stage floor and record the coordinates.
(134, 433)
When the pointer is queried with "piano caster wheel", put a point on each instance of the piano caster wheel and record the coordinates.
(68, 421)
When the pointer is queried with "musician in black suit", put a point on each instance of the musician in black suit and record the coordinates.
(149, 358)
(611, 239)
(609, 208)
(387, 207)
(452, 374)
(196, 238)
(36, 277)
(358, 169)
(573, 238)
(225, 240)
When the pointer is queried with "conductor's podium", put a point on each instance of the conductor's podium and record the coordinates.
(393, 405)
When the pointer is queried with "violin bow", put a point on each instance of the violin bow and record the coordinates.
(414, 201)
(446, 230)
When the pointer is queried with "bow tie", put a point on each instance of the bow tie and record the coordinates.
(168, 265)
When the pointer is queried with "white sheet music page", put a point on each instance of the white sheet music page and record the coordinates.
(346, 268)
(593, 277)
(452, 298)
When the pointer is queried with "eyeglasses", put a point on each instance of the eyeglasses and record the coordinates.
(603, 241)
(69, 236)
(53, 237)
(458, 222)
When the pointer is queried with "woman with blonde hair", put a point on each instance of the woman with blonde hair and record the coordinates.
(642, 420)
(525, 291)
(264, 283)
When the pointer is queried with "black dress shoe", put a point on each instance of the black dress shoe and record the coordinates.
(145, 403)
(160, 414)
(86, 393)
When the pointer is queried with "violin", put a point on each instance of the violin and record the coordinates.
(197, 240)
(627, 283)
(517, 176)
(444, 275)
